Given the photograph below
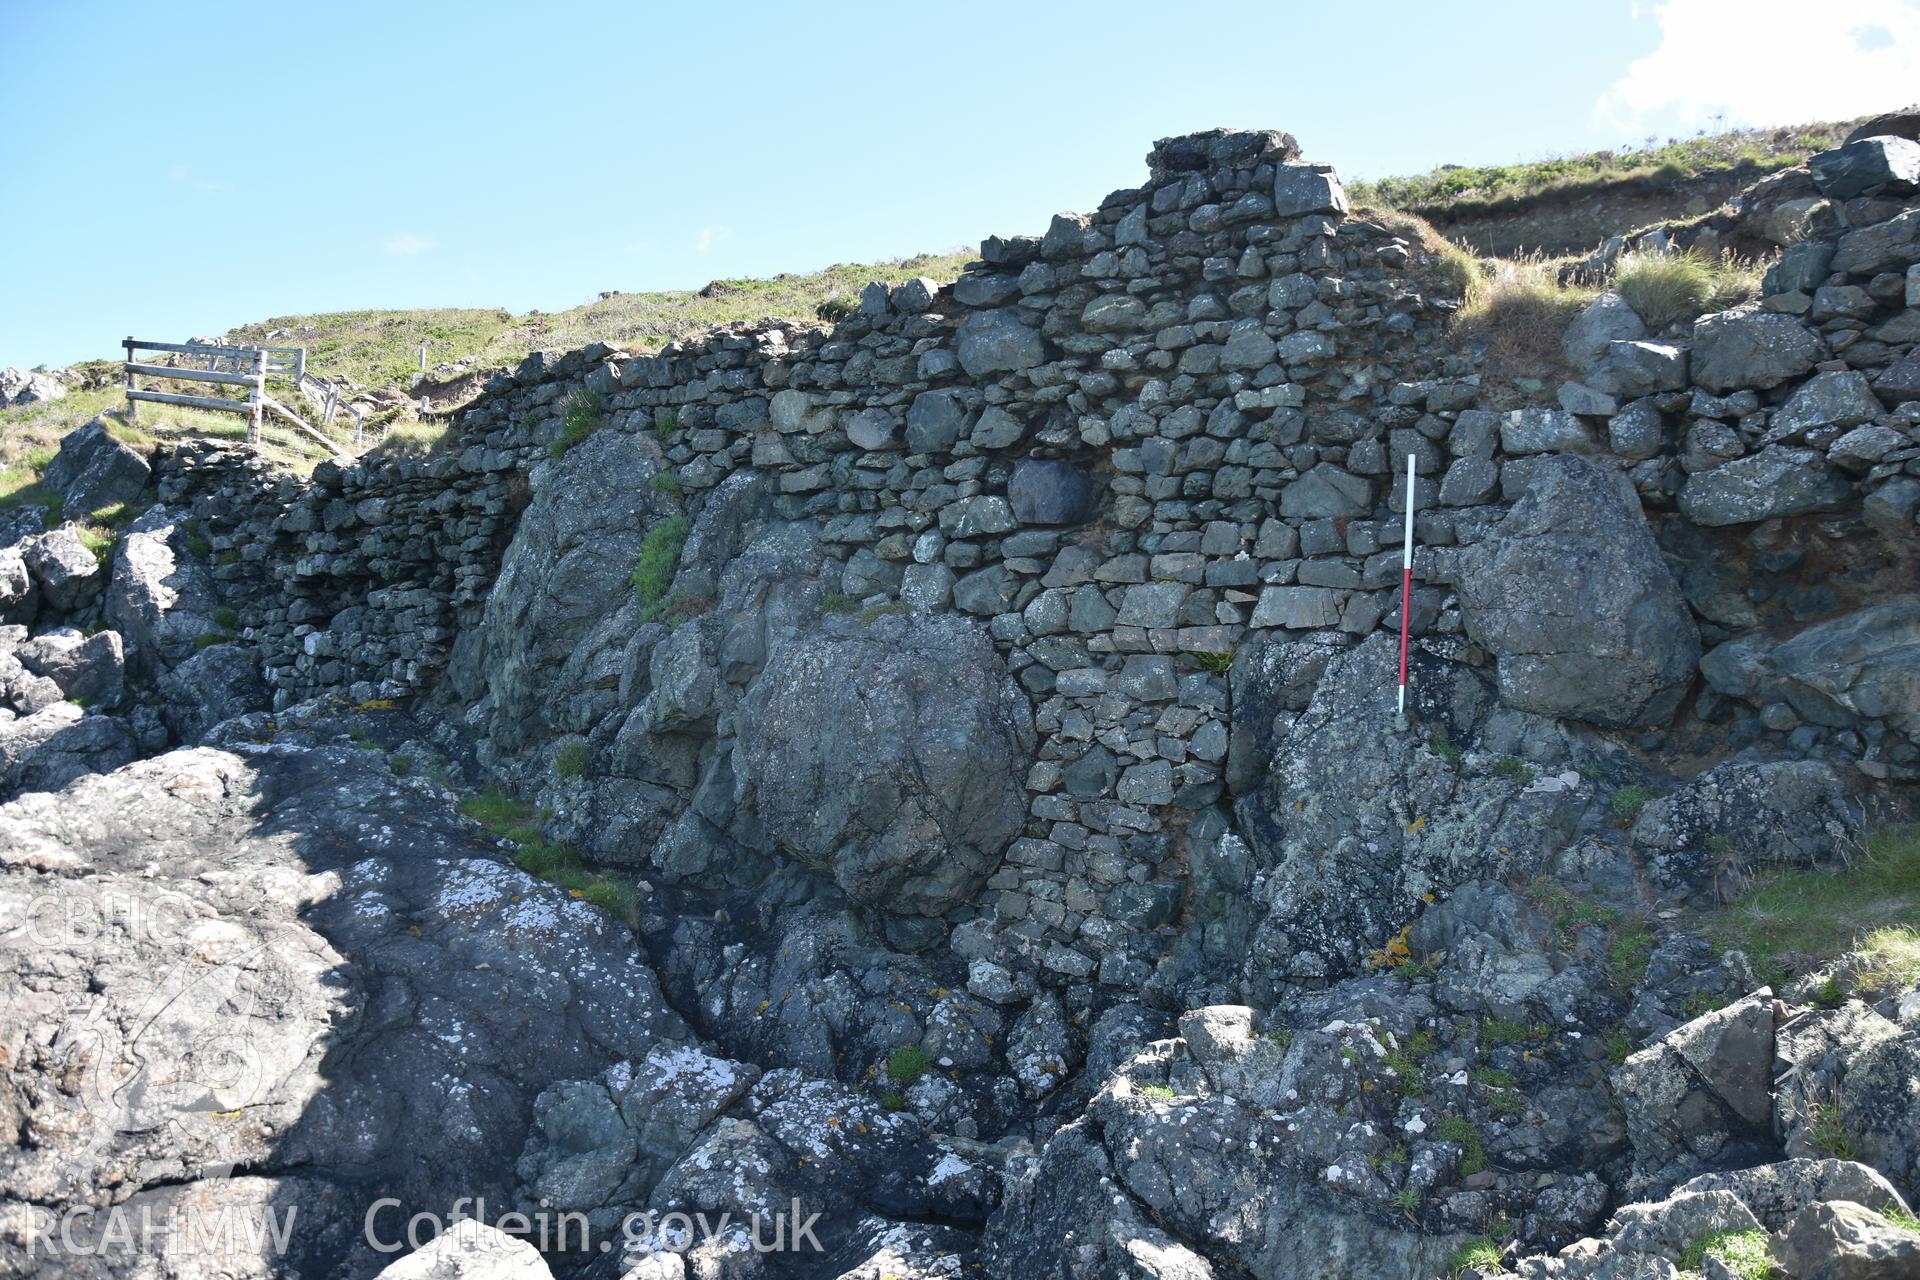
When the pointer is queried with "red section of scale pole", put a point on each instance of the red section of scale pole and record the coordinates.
(1406, 626)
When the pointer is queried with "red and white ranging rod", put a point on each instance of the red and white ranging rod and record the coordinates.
(1406, 587)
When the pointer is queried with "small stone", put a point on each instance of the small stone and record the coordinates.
(1301, 188)
(1538, 430)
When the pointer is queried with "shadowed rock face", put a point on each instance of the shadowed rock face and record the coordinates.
(892, 759)
(566, 572)
(276, 955)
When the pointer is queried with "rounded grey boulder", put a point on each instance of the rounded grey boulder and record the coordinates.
(889, 757)
(1571, 595)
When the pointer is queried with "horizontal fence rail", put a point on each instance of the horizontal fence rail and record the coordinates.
(247, 367)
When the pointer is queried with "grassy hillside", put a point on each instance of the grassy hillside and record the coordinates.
(374, 348)
(1459, 190)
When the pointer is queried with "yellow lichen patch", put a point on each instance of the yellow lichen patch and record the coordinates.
(1396, 953)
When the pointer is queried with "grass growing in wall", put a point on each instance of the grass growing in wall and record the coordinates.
(415, 439)
(1627, 802)
(572, 760)
(99, 541)
(1473, 1149)
(1453, 263)
(585, 413)
(1522, 307)
(1667, 287)
(659, 559)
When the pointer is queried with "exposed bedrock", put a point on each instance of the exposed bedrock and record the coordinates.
(891, 759)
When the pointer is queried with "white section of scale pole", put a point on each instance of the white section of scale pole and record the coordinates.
(1406, 585)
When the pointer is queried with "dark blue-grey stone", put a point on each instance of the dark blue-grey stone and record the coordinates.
(1050, 491)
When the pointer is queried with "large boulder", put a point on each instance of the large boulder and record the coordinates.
(1864, 665)
(48, 749)
(69, 575)
(19, 593)
(1779, 1191)
(1572, 597)
(161, 597)
(597, 1145)
(1850, 1073)
(1740, 815)
(1351, 825)
(1867, 166)
(217, 683)
(890, 758)
(1604, 321)
(998, 341)
(1840, 1240)
(563, 579)
(1702, 1086)
(90, 670)
(1050, 491)
(286, 957)
(469, 1249)
(94, 470)
(28, 386)
(1748, 347)
(1780, 480)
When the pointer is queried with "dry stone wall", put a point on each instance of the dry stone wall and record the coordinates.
(1130, 444)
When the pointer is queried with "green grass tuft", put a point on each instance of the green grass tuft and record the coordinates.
(1667, 287)
(1521, 306)
(585, 413)
(664, 482)
(1481, 1255)
(907, 1064)
(1627, 802)
(572, 760)
(1517, 769)
(1901, 1218)
(1829, 1134)
(1790, 921)
(1742, 1252)
(660, 558)
(1473, 1148)
(1628, 954)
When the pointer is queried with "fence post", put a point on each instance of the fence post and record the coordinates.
(300, 369)
(133, 406)
(256, 399)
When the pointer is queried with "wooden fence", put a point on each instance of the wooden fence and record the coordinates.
(248, 367)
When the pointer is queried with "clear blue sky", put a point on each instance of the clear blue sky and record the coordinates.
(169, 170)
